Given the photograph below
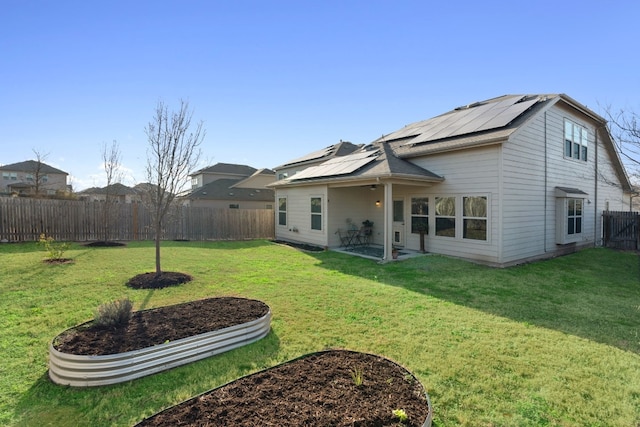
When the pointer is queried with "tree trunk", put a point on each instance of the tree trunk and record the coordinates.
(158, 270)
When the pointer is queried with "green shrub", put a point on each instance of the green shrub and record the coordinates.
(114, 313)
(55, 249)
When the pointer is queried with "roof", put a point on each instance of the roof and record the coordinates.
(369, 163)
(221, 189)
(31, 166)
(342, 148)
(480, 123)
(116, 189)
(228, 169)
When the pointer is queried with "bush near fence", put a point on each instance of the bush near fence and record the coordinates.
(24, 219)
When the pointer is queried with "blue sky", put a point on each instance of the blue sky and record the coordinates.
(275, 80)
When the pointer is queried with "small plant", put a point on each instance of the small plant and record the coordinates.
(55, 249)
(357, 375)
(400, 414)
(114, 313)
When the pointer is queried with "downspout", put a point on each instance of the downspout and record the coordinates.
(595, 192)
(388, 221)
(546, 213)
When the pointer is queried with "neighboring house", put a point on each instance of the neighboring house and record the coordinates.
(503, 181)
(32, 178)
(226, 185)
(118, 193)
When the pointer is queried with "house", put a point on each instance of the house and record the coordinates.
(118, 193)
(31, 178)
(231, 186)
(502, 181)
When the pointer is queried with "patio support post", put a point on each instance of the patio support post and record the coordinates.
(388, 221)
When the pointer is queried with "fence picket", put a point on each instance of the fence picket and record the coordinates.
(24, 219)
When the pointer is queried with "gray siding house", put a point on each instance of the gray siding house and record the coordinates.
(30, 178)
(231, 186)
(503, 181)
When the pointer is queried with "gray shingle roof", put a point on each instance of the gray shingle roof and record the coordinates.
(227, 168)
(31, 166)
(220, 189)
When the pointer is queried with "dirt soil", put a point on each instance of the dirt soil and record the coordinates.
(317, 390)
(155, 326)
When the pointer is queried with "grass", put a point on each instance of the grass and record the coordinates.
(552, 343)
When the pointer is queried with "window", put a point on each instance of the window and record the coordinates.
(29, 177)
(575, 141)
(574, 216)
(282, 175)
(474, 218)
(44, 178)
(5, 175)
(234, 206)
(420, 215)
(316, 213)
(445, 216)
(282, 211)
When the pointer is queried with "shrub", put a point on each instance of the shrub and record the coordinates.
(55, 249)
(114, 313)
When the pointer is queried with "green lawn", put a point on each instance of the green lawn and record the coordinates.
(553, 343)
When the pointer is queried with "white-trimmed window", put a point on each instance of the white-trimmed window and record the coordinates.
(474, 217)
(570, 224)
(445, 213)
(575, 141)
(282, 211)
(419, 215)
(316, 213)
(574, 216)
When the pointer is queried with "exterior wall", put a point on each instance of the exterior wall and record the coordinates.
(473, 172)
(298, 227)
(257, 181)
(55, 181)
(534, 164)
(357, 204)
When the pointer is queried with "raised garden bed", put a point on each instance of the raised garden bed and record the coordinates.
(330, 388)
(156, 340)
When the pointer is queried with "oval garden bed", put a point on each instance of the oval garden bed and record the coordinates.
(155, 340)
(329, 388)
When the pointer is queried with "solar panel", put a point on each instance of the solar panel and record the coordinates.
(473, 119)
(338, 165)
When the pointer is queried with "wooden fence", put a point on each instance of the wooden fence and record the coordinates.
(621, 230)
(24, 219)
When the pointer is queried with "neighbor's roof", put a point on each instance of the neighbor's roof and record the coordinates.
(220, 189)
(342, 148)
(31, 166)
(228, 169)
(116, 189)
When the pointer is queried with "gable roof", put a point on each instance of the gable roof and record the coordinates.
(30, 166)
(222, 189)
(480, 123)
(340, 149)
(369, 163)
(116, 189)
(228, 169)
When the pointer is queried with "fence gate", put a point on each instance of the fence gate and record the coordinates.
(621, 230)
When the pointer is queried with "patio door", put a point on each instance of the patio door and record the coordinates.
(398, 222)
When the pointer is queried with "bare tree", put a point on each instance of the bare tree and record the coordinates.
(39, 176)
(172, 153)
(624, 126)
(111, 164)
